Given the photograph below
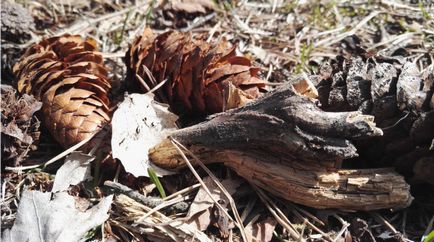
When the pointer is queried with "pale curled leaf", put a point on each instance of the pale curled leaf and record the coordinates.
(40, 218)
(139, 124)
(75, 170)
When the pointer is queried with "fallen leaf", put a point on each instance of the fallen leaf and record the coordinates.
(41, 219)
(200, 212)
(75, 170)
(139, 124)
(261, 231)
(201, 220)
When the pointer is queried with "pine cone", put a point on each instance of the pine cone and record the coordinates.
(16, 22)
(202, 78)
(67, 75)
(401, 99)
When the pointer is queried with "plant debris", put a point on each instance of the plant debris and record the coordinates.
(261, 230)
(201, 210)
(17, 22)
(55, 217)
(180, 13)
(20, 128)
(76, 169)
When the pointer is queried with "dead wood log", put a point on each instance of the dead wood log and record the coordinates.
(286, 123)
(286, 145)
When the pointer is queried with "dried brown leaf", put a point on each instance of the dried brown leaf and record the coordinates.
(201, 213)
(261, 231)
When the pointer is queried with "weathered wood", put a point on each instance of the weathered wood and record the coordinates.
(308, 183)
(285, 144)
(286, 123)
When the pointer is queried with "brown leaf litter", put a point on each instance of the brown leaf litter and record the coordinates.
(20, 128)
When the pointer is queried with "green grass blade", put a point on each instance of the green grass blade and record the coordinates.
(429, 237)
(156, 181)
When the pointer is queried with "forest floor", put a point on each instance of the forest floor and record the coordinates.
(284, 39)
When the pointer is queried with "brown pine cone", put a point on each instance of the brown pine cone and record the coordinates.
(202, 78)
(67, 74)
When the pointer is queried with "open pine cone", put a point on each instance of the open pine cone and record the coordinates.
(67, 75)
(201, 78)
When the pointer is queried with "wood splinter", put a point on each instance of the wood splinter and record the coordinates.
(286, 145)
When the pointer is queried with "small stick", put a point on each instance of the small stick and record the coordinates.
(147, 201)
(160, 206)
